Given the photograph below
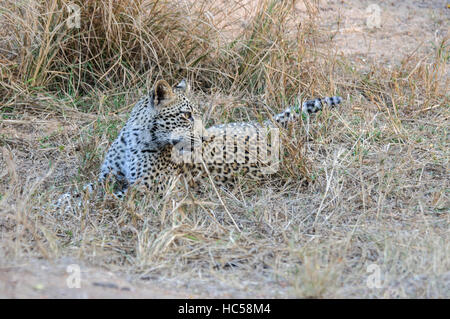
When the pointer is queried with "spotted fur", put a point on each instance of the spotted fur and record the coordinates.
(152, 147)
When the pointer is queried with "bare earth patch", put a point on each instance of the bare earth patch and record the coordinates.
(42, 279)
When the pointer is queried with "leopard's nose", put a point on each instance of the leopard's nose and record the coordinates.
(175, 141)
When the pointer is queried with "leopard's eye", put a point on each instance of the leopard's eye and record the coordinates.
(187, 115)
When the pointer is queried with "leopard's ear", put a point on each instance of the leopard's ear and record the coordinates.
(162, 92)
(182, 86)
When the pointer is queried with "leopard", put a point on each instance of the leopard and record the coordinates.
(164, 138)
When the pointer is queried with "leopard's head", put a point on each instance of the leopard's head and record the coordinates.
(175, 113)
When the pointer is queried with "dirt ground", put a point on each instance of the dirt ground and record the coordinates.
(42, 279)
(402, 28)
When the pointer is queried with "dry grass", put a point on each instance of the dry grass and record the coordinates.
(377, 168)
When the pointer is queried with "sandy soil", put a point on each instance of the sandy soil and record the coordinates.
(402, 28)
(43, 279)
(387, 30)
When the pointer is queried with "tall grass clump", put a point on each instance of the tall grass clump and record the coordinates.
(117, 44)
(123, 44)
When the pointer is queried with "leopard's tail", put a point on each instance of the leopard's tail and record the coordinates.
(308, 107)
(313, 106)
